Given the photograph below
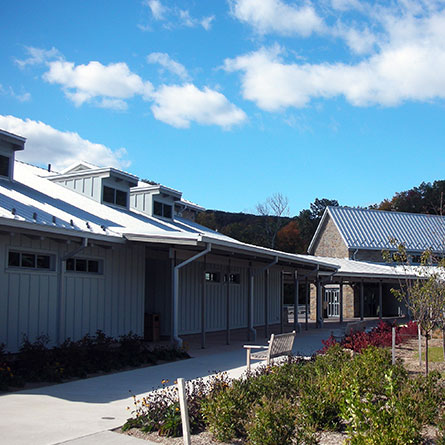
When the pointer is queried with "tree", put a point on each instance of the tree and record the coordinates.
(423, 291)
(426, 198)
(273, 209)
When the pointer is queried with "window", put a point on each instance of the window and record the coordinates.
(234, 278)
(212, 277)
(84, 265)
(4, 166)
(114, 196)
(27, 260)
(161, 209)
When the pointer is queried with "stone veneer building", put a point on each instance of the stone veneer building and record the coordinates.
(361, 235)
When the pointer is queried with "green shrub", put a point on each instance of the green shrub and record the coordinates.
(441, 429)
(271, 423)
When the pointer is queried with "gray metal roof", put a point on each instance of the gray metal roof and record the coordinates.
(374, 229)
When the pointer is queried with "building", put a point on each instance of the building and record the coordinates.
(353, 239)
(92, 248)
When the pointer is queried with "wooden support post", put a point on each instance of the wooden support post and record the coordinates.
(184, 412)
(296, 284)
(228, 305)
(362, 300)
(341, 301)
(203, 307)
(306, 316)
(319, 304)
(251, 333)
(266, 303)
(380, 300)
(281, 302)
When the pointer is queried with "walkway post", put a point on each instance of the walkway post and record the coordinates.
(380, 300)
(184, 412)
(250, 308)
(203, 305)
(228, 305)
(362, 300)
(319, 304)
(341, 301)
(281, 301)
(306, 315)
(266, 303)
(296, 283)
(393, 345)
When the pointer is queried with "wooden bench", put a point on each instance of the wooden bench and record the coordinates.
(279, 345)
(355, 326)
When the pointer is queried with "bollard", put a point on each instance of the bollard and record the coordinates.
(184, 412)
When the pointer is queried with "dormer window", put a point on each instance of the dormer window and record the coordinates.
(114, 196)
(4, 166)
(162, 209)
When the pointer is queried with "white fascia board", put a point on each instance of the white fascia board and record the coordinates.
(146, 238)
(13, 223)
(268, 252)
(320, 225)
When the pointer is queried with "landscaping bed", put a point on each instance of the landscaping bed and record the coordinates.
(337, 396)
(37, 365)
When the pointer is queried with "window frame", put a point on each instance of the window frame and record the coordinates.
(8, 158)
(86, 271)
(49, 256)
(163, 206)
(115, 195)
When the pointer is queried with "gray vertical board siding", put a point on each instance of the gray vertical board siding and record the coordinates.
(190, 294)
(258, 291)
(112, 302)
(274, 296)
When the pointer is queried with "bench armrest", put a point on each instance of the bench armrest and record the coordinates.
(254, 347)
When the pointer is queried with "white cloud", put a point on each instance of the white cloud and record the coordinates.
(175, 16)
(157, 9)
(410, 65)
(276, 16)
(21, 97)
(38, 56)
(110, 84)
(180, 105)
(169, 64)
(46, 145)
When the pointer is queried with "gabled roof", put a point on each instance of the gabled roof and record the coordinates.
(34, 202)
(374, 229)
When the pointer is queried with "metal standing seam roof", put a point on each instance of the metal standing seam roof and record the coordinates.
(32, 201)
(374, 229)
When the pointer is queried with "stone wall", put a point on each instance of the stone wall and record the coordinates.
(330, 243)
(351, 302)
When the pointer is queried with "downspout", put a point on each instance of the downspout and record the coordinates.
(60, 284)
(176, 338)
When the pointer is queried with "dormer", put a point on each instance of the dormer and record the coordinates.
(154, 200)
(9, 144)
(107, 185)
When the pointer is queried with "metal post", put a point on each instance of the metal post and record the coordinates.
(296, 328)
(228, 305)
(306, 316)
(203, 306)
(184, 412)
(362, 300)
(341, 301)
(380, 300)
(266, 302)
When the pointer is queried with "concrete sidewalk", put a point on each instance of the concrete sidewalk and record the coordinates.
(81, 412)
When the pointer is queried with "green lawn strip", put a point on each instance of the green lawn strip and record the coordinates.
(435, 354)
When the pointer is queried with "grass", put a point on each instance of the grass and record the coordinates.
(435, 354)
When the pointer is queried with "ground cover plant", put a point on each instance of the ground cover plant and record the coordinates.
(379, 336)
(363, 396)
(36, 362)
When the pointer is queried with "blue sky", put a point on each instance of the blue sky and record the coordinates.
(232, 101)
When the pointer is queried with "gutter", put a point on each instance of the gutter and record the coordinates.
(176, 338)
(60, 284)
